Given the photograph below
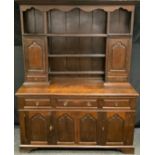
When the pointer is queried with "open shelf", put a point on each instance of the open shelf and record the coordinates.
(76, 55)
(72, 64)
(33, 21)
(77, 21)
(120, 21)
(76, 45)
(76, 72)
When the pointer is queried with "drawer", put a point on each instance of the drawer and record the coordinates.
(36, 79)
(75, 103)
(116, 103)
(37, 103)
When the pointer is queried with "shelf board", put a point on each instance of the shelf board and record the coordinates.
(76, 55)
(78, 35)
(66, 35)
(75, 72)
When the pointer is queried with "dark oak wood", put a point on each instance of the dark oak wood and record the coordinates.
(76, 92)
(81, 2)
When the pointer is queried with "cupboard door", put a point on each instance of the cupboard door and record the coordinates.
(38, 127)
(35, 59)
(118, 59)
(65, 127)
(88, 126)
(118, 128)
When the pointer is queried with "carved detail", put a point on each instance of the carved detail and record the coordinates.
(35, 56)
(88, 127)
(118, 56)
(115, 123)
(65, 128)
(70, 7)
(38, 129)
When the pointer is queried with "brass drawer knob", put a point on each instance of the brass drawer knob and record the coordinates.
(37, 103)
(66, 103)
(116, 104)
(51, 128)
(102, 128)
(88, 104)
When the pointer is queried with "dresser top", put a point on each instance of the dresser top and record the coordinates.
(74, 2)
(80, 88)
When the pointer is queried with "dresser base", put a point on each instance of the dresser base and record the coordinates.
(123, 149)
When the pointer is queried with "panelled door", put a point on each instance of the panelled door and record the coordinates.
(76, 127)
(118, 59)
(38, 126)
(35, 59)
(117, 128)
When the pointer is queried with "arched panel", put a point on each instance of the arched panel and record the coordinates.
(115, 130)
(35, 56)
(38, 128)
(65, 128)
(118, 59)
(88, 128)
(119, 56)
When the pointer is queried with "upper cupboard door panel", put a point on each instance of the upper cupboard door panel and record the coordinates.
(35, 55)
(77, 21)
(118, 59)
(33, 21)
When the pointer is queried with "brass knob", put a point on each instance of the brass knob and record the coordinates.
(88, 104)
(51, 128)
(66, 103)
(116, 104)
(37, 103)
(102, 128)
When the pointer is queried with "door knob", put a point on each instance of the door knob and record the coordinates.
(37, 103)
(88, 104)
(51, 128)
(66, 103)
(102, 128)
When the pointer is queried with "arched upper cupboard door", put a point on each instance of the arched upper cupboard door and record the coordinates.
(33, 21)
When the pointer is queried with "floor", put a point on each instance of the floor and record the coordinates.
(73, 152)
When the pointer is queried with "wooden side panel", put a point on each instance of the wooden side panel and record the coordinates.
(35, 59)
(118, 60)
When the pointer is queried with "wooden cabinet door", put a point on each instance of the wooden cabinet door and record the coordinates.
(65, 127)
(88, 128)
(76, 128)
(35, 59)
(117, 128)
(38, 127)
(118, 59)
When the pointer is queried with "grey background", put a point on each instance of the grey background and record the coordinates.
(19, 68)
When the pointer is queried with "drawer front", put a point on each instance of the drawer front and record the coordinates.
(116, 103)
(36, 78)
(75, 103)
(37, 103)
